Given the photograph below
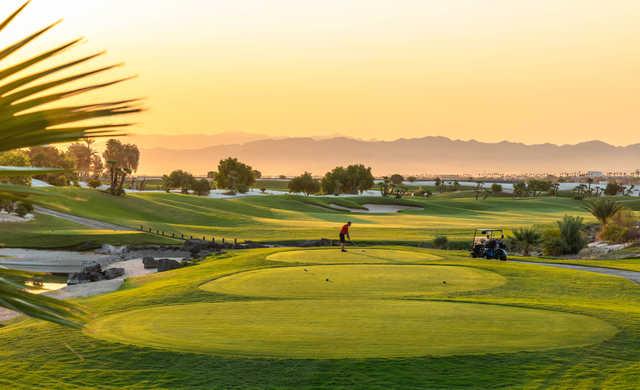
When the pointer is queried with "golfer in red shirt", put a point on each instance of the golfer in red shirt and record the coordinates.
(344, 232)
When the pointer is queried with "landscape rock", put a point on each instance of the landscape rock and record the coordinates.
(113, 273)
(168, 264)
(149, 262)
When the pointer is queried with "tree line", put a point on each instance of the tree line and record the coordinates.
(80, 161)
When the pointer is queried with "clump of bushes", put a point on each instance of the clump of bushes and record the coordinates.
(441, 242)
(566, 238)
(622, 227)
(94, 182)
(23, 208)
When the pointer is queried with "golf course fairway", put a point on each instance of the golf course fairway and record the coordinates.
(355, 281)
(353, 255)
(334, 329)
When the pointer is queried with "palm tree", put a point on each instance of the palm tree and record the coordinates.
(603, 209)
(527, 237)
(25, 123)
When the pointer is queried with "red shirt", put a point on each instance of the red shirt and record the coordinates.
(345, 229)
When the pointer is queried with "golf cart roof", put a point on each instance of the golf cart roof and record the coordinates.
(488, 230)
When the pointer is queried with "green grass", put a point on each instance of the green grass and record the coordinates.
(347, 328)
(37, 354)
(288, 218)
(50, 232)
(622, 264)
(353, 255)
(355, 281)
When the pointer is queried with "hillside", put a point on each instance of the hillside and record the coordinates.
(408, 156)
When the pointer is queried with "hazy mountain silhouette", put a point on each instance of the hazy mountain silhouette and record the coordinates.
(408, 156)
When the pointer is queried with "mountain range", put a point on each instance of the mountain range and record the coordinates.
(427, 155)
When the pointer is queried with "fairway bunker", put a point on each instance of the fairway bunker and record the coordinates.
(334, 329)
(355, 281)
(353, 255)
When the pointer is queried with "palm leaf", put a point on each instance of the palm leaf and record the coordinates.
(24, 123)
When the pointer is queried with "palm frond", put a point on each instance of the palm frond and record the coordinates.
(23, 123)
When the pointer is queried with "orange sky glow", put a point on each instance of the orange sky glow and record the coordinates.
(531, 70)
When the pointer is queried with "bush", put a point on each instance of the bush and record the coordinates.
(94, 182)
(622, 227)
(441, 242)
(567, 238)
(23, 208)
(496, 188)
(552, 243)
(526, 238)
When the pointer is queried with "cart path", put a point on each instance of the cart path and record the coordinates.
(92, 223)
(634, 276)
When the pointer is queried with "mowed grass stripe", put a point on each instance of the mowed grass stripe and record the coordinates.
(336, 329)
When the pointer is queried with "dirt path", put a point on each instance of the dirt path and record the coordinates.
(92, 223)
(631, 275)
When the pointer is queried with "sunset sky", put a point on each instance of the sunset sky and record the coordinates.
(532, 71)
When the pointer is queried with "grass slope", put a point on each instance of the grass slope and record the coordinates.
(282, 218)
(38, 354)
(50, 232)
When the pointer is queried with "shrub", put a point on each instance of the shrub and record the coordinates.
(552, 243)
(622, 227)
(496, 188)
(566, 238)
(571, 233)
(94, 182)
(526, 237)
(441, 242)
(23, 208)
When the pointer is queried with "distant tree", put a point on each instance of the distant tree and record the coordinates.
(178, 179)
(480, 191)
(580, 192)
(350, 180)
(235, 175)
(527, 237)
(97, 166)
(613, 188)
(15, 158)
(555, 187)
(304, 183)
(438, 183)
(201, 187)
(496, 188)
(520, 189)
(257, 174)
(396, 179)
(282, 177)
(82, 155)
(122, 160)
(212, 175)
(456, 185)
(537, 187)
(385, 186)
(52, 157)
(411, 179)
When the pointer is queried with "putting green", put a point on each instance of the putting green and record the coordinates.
(357, 281)
(353, 255)
(326, 329)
